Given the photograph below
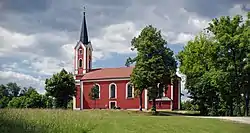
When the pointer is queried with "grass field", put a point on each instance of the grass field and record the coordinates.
(104, 121)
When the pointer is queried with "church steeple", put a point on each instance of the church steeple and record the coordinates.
(84, 32)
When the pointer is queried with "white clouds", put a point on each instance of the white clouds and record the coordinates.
(36, 52)
(198, 22)
(49, 65)
(42, 42)
(12, 40)
(178, 38)
(22, 79)
(114, 39)
(237, 10)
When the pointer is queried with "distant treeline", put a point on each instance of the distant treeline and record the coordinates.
(14, 96)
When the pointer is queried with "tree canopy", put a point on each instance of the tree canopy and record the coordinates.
(61, 86)
(216, 64)
(154, 63)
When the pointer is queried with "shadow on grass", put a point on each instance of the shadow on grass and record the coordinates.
(18, 126)
(22, 126)
(165, 113)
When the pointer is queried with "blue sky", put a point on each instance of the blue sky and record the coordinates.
(37, 36)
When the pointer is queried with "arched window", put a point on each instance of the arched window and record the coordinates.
(80, 62)
(129, 91)
(162, 90)
(112, 90)
(99, 91)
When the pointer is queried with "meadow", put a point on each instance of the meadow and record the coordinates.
(108, 121)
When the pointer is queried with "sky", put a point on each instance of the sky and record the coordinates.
(37, 37)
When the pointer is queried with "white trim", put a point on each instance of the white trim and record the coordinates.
(172, 94)
(127, 91)
(78, 45)
(110, 104)
(81, 96)
(146, 99)
(77, 82)
(114, 79)
(76, 69)
(74, 102)
(110, 90)
(90, 45)
(77, 109)
(179, 95)
(76, 53)
(84, 58)
(164, 91)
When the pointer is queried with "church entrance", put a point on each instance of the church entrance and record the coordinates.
(112, 104)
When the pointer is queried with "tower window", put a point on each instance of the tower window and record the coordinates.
(80, 62)
(80, 51)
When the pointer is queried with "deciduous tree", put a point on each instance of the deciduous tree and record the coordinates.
(154, 63)
(61, 86)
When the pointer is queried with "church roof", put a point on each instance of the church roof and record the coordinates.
(108, 73)
(84, 31)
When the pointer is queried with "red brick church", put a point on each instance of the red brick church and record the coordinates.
(113, 83)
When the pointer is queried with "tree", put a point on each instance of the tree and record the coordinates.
(246, 66)
(94, 93)
(154, 63)
(216, 66)
(47, 101)
(7, 92)
(61, 86)
(31, 99)
(4, 96)
(234, 46)
(17, 102)
(138, 78)
(188, 105)
(13, 89)
(197, 64)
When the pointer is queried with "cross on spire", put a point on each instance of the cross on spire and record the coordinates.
(84, 10)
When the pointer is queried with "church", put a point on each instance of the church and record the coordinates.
(114, 85)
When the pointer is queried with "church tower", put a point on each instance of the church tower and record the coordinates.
(83, 51)
(82, 63)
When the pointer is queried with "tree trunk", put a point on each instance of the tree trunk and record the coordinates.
(154, 105)
(231, 108)
(65, 103)
(140, 101)
(247, 103)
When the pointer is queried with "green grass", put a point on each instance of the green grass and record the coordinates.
(104, 121)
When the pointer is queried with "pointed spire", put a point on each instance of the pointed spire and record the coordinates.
(84, 32)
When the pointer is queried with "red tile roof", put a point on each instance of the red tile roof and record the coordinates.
(108, 73)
